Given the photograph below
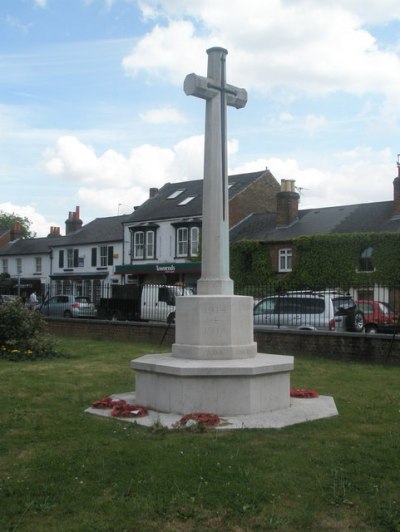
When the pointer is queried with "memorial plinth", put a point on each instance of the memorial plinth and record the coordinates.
(214, 365)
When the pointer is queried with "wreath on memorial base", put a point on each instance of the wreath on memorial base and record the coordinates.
(204, 418)
(301, 393)
(120, 408)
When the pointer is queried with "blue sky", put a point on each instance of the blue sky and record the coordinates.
(93, 113)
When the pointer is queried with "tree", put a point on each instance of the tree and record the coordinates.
(8, 221)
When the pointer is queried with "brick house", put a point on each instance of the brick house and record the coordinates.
(279, 230)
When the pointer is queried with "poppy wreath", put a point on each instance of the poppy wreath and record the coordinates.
(211, 420)
(120, 408)
(303, 394)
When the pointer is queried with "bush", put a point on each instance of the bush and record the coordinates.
(23, 334)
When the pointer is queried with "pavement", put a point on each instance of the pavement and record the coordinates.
(299, 411)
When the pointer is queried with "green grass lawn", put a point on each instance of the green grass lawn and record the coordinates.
(64, 470)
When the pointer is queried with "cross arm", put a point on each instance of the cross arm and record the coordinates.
(205, 88)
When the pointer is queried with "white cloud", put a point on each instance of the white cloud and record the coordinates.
(40, 3)
(314, 122)
(110, 178)
(163, 115)
(296, 44)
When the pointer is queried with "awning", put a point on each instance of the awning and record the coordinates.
(164, 268)
(78, 276)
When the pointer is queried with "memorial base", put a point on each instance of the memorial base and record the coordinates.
(169, 384)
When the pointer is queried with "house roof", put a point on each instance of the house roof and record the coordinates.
(358, 218)
(168, 204)
(100, 230)
(28, 246)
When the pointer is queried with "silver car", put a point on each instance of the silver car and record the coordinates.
(68, 307)
(329, 311)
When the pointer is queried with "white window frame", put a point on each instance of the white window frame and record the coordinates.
(5, 265)
(38, 264)
(138, 245)
(194, 241)
(182, 242)
(103, 256)
(285, 260)
(150, 244)
(70, 258)
(19, 265)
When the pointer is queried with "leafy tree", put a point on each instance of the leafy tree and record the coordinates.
(8, 220)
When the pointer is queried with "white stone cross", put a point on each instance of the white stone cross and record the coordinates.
(215, 229)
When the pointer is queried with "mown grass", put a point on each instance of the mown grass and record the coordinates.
(62, 469)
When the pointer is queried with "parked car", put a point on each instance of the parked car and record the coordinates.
(378, 316)
(329, 311)
(68, 307)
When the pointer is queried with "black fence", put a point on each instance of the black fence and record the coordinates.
(369, 308)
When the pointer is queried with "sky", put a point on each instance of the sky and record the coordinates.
(93, 112)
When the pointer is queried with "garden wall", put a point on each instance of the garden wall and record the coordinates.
(376, 348)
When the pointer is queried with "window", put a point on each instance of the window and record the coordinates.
(285, 260)
(149, 244)
(103, 256)
(138, 245)
(5, 265)
(144, 244)
(186, 200)
(175, 194)
(194, 241)
(38, 264)
(365, 263)
(72, 258)
(61, 258)
(19, 266)
(188, 241)
(182, 242)
(94, 257)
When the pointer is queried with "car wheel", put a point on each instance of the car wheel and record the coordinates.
(67, 314)
(355, 322)
(371, 329)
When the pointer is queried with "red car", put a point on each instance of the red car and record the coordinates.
(378, 317)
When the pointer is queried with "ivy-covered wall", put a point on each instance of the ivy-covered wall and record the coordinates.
(321, 260)
(250, 263)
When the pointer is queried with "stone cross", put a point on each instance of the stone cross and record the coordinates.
(215, 231)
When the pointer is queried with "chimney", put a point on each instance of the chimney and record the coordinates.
(287, 209)
(74, 222)
(153, 192)
(54, 232)
(396, 191)
(16, 232)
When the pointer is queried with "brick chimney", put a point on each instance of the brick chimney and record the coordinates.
(16, 232)
(396, 191)
(153, 192)
(287, 208)
(54, 231)
(74, 222)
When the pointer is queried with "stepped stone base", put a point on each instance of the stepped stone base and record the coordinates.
(166, 383)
